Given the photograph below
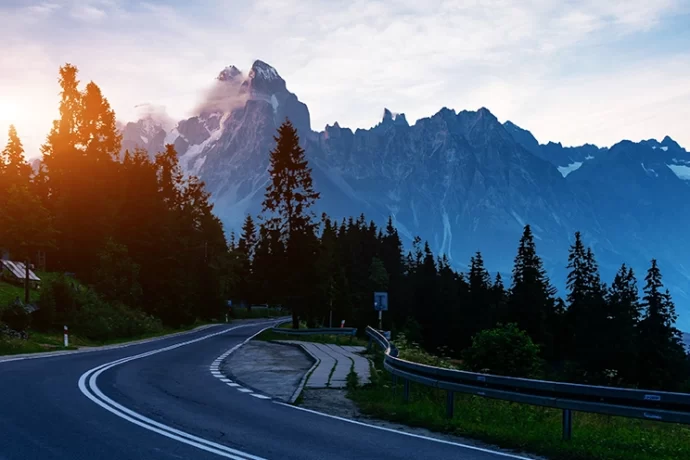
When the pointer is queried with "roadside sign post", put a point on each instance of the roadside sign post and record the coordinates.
(381, 305)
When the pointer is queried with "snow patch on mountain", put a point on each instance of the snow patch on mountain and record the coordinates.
(650, 172)
(447, 235)
(682, 171)
(401, 227)
(263, 70)
(565, 170)
(194, 150)
(172, 136)
(519, 219)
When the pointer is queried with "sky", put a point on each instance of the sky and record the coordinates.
(575, 72)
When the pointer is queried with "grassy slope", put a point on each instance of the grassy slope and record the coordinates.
(41, 341)
(9, 292)
(525, 427)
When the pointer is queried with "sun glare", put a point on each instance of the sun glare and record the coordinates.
(8, 112)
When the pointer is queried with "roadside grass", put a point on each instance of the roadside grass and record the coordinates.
(10, 346)
(269, 335)
(53, 341)
(520, 426)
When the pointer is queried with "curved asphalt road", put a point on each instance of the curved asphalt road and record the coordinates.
(161, 402)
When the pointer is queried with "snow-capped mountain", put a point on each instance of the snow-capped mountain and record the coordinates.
(566, 159)
(461, 180)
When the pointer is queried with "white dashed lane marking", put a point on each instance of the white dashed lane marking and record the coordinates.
(215, 371)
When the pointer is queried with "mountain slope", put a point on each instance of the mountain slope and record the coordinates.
(463, 181)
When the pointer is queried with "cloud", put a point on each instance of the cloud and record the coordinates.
(156, 112)
(222, 96)
(88, 13)
(569, 71)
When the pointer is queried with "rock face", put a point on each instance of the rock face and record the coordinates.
(463, 181)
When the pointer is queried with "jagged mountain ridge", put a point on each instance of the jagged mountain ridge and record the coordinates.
(463, 181)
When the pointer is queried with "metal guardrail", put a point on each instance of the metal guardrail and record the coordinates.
(622, 402)
(351, 331)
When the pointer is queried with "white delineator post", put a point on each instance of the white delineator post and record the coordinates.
(66, 337)
(342, 324)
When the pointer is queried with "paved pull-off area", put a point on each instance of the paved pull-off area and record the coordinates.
(334, 364)
(270, 368)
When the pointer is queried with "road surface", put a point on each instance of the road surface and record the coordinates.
(159, 400)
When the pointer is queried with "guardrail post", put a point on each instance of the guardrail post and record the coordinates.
(369, 345)
(450, 403)
(567, 424)
(406, 390)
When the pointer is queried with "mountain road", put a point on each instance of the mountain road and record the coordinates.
(159, 400)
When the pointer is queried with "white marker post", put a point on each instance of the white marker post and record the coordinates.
(66, 337)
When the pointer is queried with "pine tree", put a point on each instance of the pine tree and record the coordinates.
(662, 358)
(499, 298)
(14, 170)
(622, 315)
(531, 302)
(78, 162)
(288, 199)
(290, 194)
(391, 253)
(586, 311)
(480, 314)
(248, 237)
(245, 288)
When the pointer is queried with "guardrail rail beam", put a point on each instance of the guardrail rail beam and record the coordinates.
(622, 402)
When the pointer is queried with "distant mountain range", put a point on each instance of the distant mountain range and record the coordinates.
(461, 180)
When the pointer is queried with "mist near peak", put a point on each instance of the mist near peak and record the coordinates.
(223, 96)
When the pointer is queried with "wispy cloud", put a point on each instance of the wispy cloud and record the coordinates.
(569, 71)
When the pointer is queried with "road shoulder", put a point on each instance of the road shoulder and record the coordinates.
(277, 369)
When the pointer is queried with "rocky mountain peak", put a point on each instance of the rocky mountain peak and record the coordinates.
(670, 143)
(263, 71)
(230, 73)
(393, 118)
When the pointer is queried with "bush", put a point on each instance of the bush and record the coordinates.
(57, 302)
(505, 350)
(98, 320)
(16, 317)
(411, 351)
(64, 302)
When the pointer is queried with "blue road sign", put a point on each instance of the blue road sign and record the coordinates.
(381, 301)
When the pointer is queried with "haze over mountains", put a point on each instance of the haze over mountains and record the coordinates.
(461, 180)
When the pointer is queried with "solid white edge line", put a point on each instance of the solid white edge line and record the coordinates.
(178, 435)
(413, 435)
(56, 354)
(102, 400)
